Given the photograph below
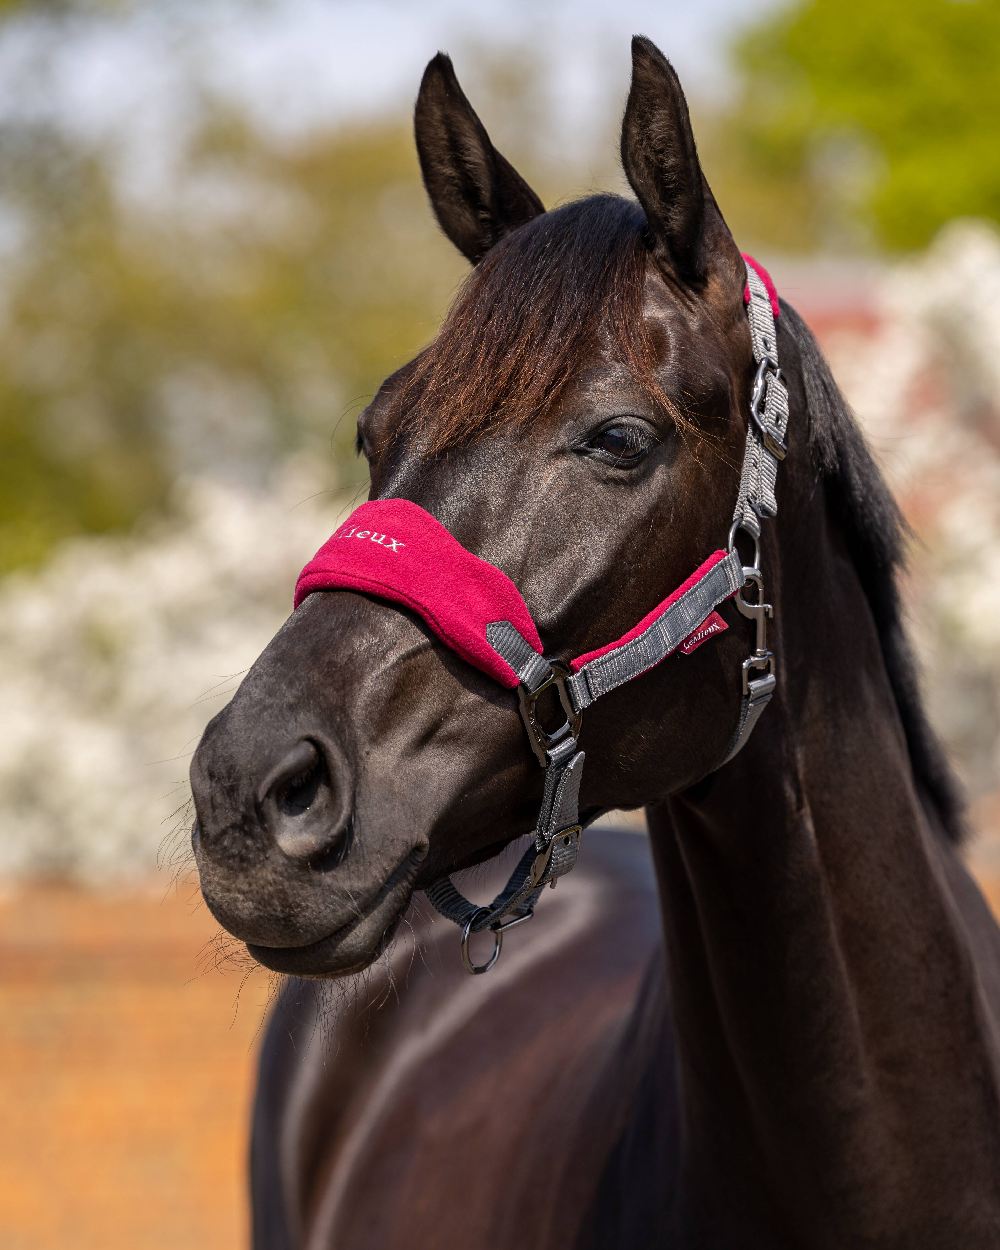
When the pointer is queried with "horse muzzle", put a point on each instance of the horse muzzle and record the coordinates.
(282, 864)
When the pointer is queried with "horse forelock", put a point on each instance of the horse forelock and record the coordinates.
(527, 319)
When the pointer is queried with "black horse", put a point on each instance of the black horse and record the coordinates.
(774, 1024)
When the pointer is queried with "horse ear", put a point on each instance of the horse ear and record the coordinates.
(477, 195)
(660, 160)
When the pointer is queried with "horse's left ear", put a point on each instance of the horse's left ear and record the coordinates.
(688, 234)
(476, 194)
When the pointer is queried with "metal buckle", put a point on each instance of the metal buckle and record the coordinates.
(497, 930)
(767, 372)
(543, 859)
(543, 740)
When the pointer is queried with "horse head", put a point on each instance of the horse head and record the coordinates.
(578, 423)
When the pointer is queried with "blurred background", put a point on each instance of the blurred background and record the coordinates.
(213, 245)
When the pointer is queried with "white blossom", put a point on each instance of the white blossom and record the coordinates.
(926, 387)
(114, 656)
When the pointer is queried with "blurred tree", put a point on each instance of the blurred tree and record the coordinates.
(245, 314)
(865, 121)
(243, 305)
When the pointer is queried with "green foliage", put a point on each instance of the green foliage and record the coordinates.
(242, 302)
(251, 309)
(871, 110)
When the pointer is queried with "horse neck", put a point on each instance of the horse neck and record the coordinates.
(832, 1032)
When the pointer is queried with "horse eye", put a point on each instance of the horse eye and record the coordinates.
(623, 443)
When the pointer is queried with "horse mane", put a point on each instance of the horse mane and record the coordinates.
(536, 306)
(877, 535)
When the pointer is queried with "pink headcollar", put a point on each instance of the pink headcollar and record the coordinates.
(393, 549)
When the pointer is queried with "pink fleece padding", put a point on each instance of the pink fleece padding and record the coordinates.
(765, 277)
(395, 550)
(650, 617)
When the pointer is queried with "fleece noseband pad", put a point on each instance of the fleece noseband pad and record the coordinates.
(393, 549)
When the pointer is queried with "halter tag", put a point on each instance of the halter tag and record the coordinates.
(712, 624)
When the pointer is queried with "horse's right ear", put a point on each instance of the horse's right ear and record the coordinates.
(477, 195)
(687, 232)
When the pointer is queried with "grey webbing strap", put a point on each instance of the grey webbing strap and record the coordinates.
(765, 445)
(662, 637)
(753, 703)
(531, 668)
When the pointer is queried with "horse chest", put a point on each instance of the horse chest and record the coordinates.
(476, 1109)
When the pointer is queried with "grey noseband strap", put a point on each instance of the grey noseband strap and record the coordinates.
(556, 842)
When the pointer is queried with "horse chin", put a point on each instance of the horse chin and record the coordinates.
(354, 945)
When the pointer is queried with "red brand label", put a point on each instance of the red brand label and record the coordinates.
(710, 626)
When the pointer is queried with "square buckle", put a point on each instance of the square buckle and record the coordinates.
(767, 374)
(543, 860)
(541, 738)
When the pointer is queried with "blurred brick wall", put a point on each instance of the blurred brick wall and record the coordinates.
(126, 1068)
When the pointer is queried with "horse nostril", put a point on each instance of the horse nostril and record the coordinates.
(306, 812)
(297, 795)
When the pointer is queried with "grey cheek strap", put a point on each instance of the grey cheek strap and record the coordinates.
(661, 638)
(556, 841)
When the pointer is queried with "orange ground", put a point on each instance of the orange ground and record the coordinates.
(126, 1067)
(125, 1075)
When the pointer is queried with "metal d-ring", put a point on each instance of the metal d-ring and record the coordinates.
(737, 528)
(477, 969)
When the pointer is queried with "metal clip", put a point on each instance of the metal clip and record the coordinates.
(762, 660)
(760, 612)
